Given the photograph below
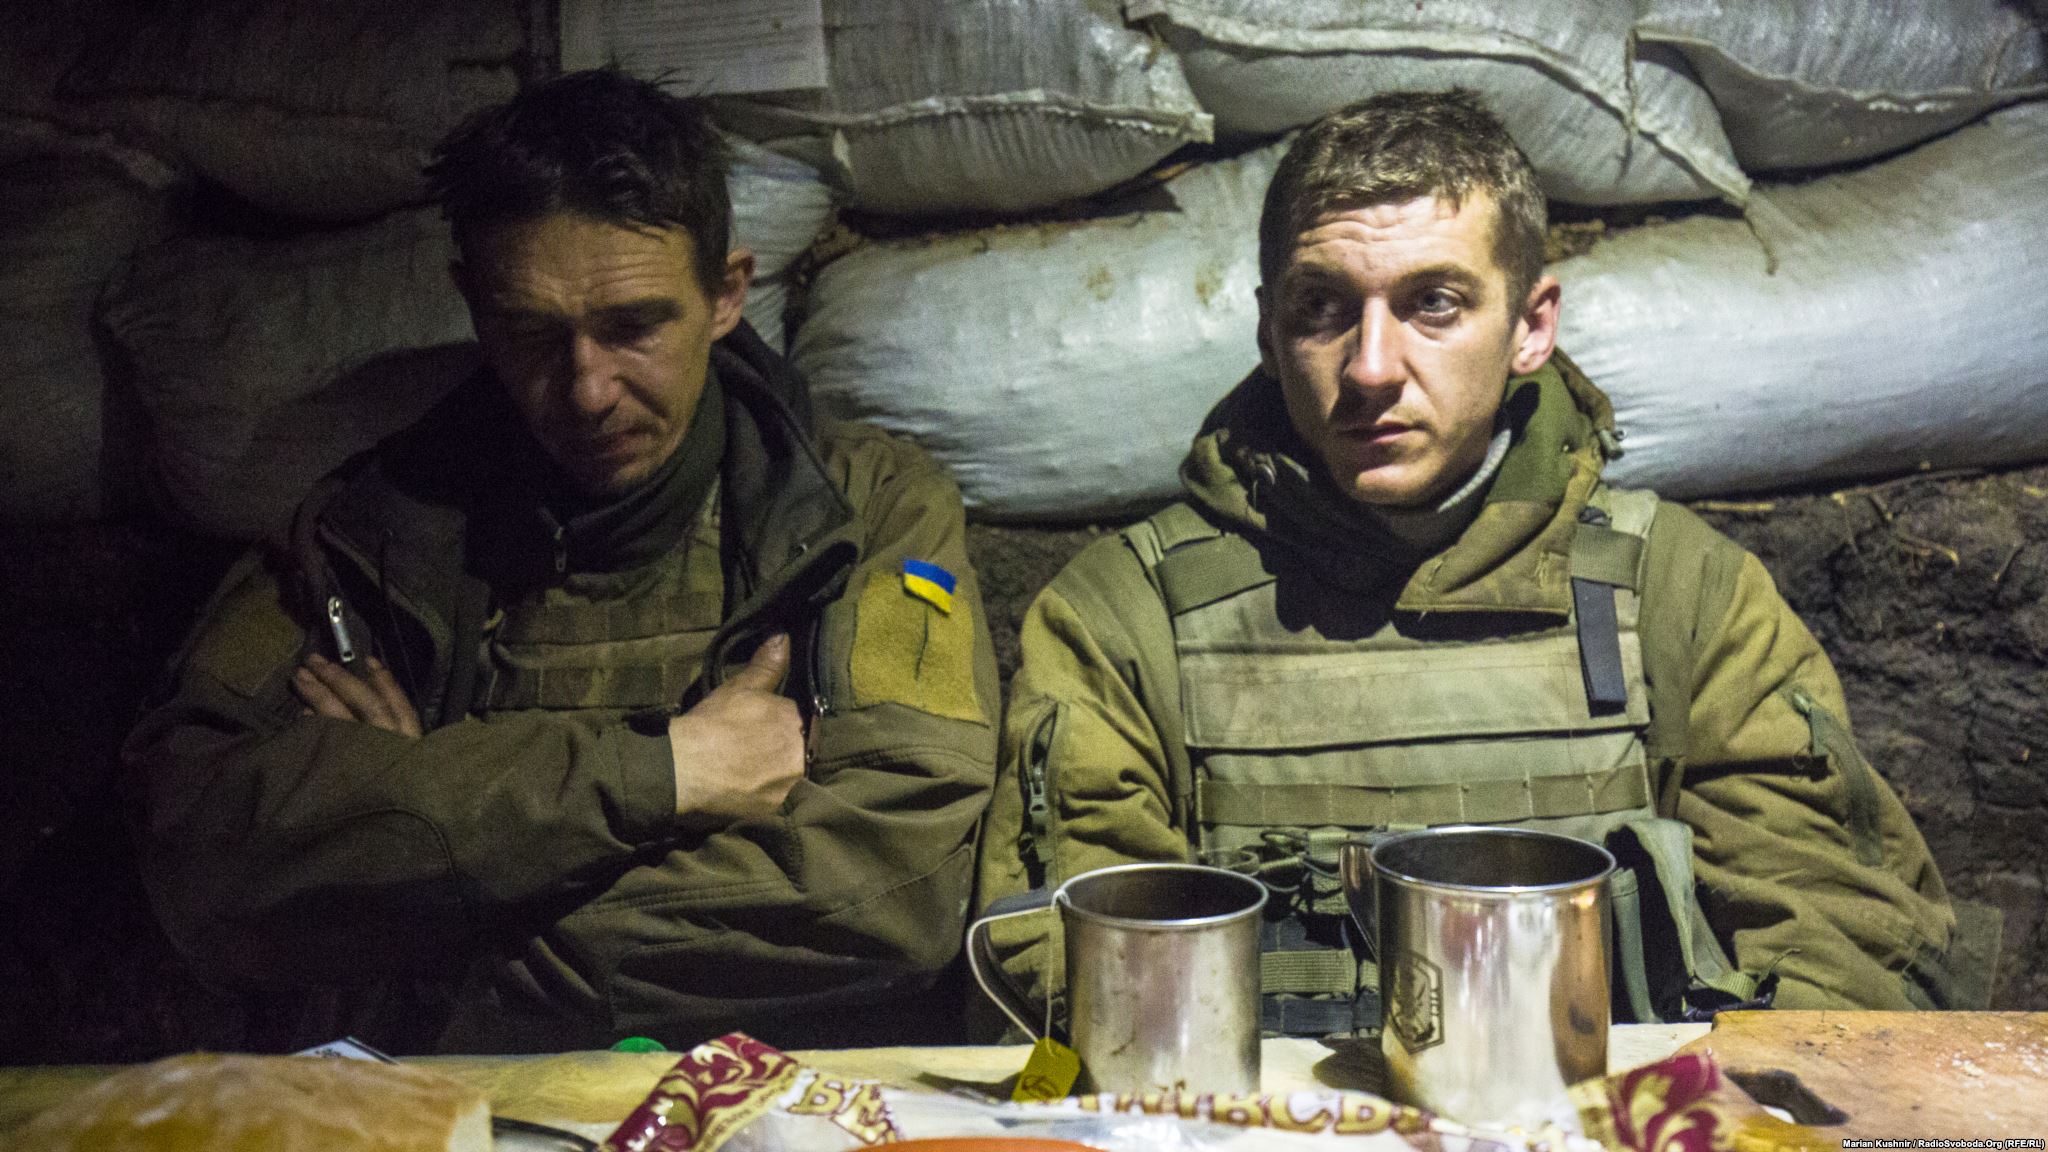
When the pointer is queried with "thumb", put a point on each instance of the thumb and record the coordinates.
(764, 672)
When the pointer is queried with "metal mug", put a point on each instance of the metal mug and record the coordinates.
(1492, 945)
(1162, 964)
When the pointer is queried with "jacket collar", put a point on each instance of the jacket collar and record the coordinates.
(438, 514)
(1249, 469)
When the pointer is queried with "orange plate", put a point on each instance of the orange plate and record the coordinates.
(990, 1144)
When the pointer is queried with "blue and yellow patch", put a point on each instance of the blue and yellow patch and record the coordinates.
(929, 583)
(914, 642)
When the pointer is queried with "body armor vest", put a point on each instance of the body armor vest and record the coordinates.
(1299, 740)
(610, 641)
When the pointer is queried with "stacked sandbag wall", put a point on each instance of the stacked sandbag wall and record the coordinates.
(999, 347)
(1763, 306)
(983, 106)
(155, 361)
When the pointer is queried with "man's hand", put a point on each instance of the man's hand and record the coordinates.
(372, 698)
(741, 749)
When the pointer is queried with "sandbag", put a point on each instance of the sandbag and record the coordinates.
(307, 108)
(265, 363)
(70, 448)
(779, 207)
(1059, 370)
(986, 105)
(1599, 128)
(1809, 83)
(1902, 328)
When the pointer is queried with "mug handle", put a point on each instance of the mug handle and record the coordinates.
(1354, 863)
(988, 973)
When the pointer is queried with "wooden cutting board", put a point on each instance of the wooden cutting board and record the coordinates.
(1900, 1075)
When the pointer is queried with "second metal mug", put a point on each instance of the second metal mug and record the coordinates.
(1492, 945)
(1162, 964)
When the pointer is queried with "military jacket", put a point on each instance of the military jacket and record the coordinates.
(527, 848)
(1163, 712)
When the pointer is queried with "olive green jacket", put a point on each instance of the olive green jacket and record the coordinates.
(1808, 865)
(534, 858)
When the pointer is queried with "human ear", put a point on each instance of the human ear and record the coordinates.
(732, 291)
(1536, 327)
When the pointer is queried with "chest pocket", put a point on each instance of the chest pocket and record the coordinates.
(614, 642)
(1382, 732)
(1287, 728)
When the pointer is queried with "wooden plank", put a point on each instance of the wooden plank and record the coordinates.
(1902, 1075)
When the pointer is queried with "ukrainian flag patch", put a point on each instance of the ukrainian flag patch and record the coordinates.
(929, 583)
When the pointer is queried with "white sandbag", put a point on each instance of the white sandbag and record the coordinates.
(1902, 329)
(228, 336)
(1598, 128)
(1809, 83)
(303, 107)
(779, 207)
(986, 105)
(70, 449)
(1059, 370)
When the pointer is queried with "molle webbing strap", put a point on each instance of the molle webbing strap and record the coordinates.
(1200, 565)
(1606, 556)
(1178, 524)
(1479, 801)
(608, 686)
(1602, 561)
(1309, 970)
(616, 621)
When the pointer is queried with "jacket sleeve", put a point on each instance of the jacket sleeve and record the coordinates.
(1809, 865)
(286, 848)
(1090, 730)
(811, 928)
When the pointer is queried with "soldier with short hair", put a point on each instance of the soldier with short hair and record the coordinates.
(619, 692)
(1397, 593)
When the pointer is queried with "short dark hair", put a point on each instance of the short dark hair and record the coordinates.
(1399, 146)
(600, 144)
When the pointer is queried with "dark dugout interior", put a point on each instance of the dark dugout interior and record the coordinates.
(1925, 576)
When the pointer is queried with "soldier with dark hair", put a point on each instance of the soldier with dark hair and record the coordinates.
(619, 692)
(1398, 593)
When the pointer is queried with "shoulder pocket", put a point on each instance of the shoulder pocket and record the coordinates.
(1831, 740)
(908, 650)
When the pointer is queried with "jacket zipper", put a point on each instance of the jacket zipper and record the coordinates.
(1036, 777)
(337, 622)
(821, 704)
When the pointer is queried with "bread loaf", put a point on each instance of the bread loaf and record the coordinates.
(210, 1103)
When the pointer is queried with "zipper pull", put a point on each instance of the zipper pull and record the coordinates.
(561, 542)
(820, 706)
(344, 648)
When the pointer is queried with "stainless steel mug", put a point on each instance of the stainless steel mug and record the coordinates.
(1162, 965)
(1492, 945)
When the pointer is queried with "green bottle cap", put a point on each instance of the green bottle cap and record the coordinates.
(638, 1044)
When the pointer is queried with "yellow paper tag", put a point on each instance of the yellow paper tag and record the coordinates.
(1049, 1073)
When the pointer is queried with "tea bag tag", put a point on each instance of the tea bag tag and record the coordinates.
(1049, 1074)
